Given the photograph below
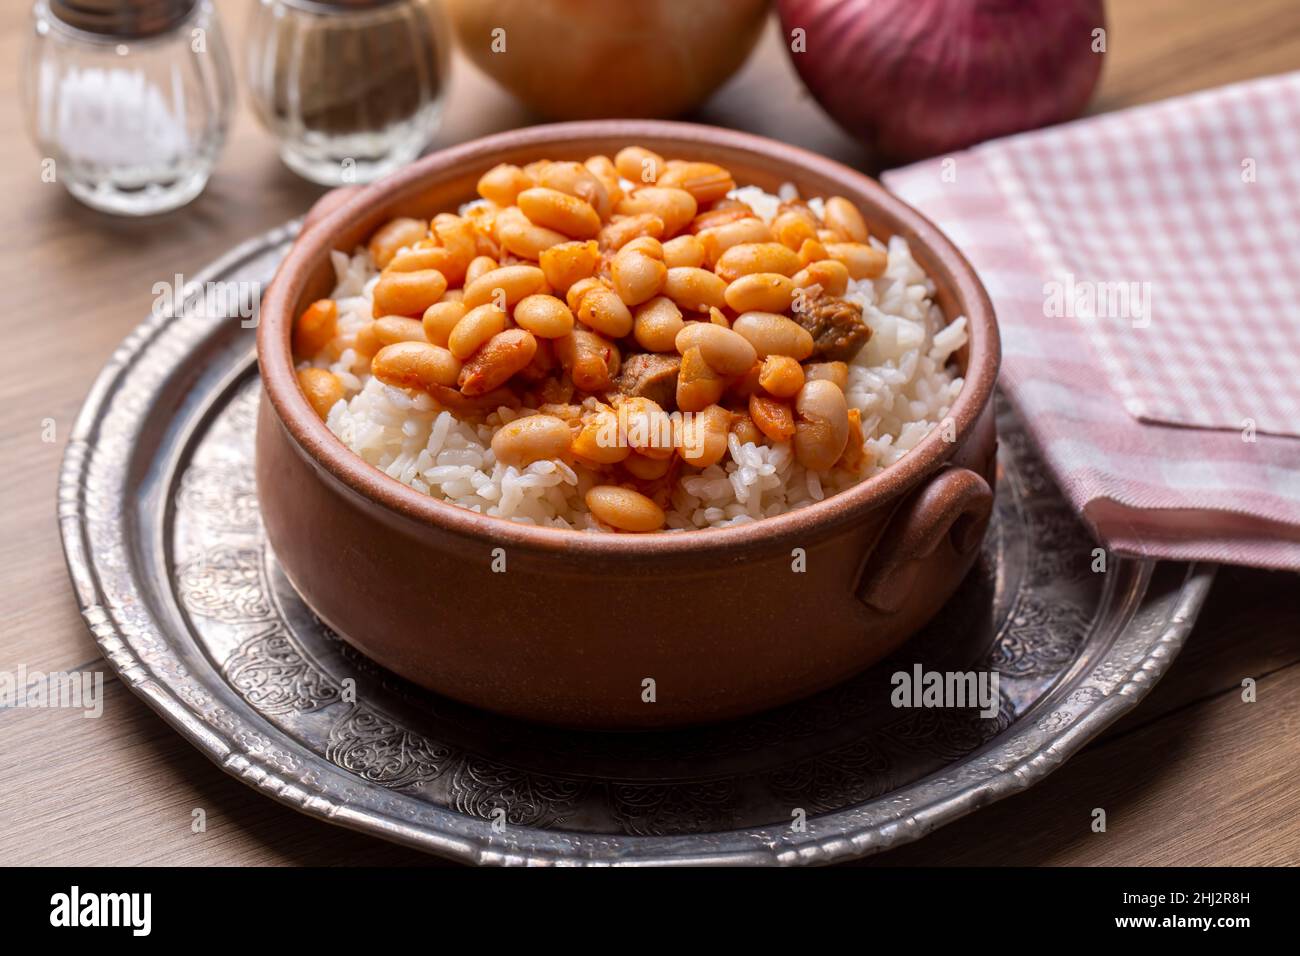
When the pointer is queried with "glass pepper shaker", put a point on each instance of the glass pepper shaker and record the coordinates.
(352, 89)
(128, 100)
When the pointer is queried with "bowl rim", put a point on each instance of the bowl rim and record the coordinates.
(314, 439)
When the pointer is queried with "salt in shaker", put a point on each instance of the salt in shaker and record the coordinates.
(128, 100)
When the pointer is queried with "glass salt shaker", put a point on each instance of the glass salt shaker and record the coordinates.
(352, 89)
(128, 100)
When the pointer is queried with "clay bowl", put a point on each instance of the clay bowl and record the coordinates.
(724, 622)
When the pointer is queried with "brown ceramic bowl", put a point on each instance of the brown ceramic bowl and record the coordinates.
(721, 620)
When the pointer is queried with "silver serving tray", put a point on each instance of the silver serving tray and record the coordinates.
(164, 543)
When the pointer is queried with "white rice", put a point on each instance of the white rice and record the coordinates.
(899, 382)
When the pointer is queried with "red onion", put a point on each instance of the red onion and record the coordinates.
(913, 78)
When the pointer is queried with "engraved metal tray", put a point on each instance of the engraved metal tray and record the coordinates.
(163, 539)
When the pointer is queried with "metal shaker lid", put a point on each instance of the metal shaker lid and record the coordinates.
(128, 19)
(339, 6)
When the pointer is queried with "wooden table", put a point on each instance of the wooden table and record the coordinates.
(1194, 776)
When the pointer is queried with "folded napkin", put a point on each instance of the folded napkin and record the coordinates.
(1145, 269)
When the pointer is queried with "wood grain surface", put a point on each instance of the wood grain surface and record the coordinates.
(1194, 776)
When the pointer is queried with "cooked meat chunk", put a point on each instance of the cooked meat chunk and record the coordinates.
(836, 326)
(652, 376)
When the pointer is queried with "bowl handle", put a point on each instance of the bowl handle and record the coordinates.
(955, 504)
(326, 204)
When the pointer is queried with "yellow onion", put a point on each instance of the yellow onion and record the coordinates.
(583, 59)
(914, 78)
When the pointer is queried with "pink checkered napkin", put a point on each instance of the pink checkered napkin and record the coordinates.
(1145, 268)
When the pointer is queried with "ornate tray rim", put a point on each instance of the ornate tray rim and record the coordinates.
(838, 836)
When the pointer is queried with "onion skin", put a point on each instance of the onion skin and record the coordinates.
(588, 59)
(916, 78)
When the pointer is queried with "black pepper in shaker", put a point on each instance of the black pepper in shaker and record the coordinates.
(351, 88)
